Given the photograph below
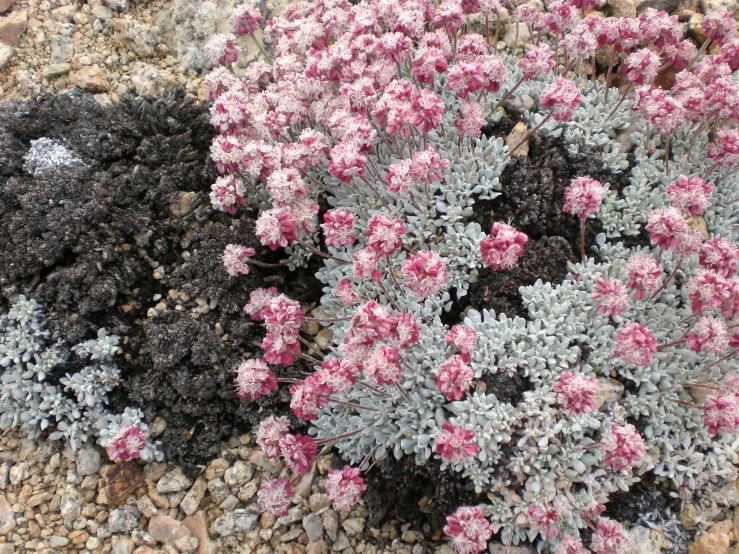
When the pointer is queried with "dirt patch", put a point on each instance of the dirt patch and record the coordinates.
(129, 241)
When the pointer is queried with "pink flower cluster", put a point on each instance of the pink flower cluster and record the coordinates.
(545, 519)
(454, 378)
(635, 344)
(469, 530)
(503, 247)
(562, 97)
(575, 393)
(464, 340)
(425, 273)
(611, 296)
(610, 538)
(455, 443)
(692, 195)
(643, 275)
(126, 445)
(344, 488)
(227, 194)
(235, 259)
(721, 413)
(624, 447)
(254, 379)
(583, 197)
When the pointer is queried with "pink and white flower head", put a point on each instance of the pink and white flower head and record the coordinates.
(385, 234)
(276, 228)
(643, 274)
(285, 187)
(455, 443)
(283, 315)
(405, 330)
(399, 176)
(611, 296)
(345, 292)
(720, 255)
(465, 78)
(503, 247)
(635, 344)
(692, 195)
(428, 110)
(338, 228)
(229, 112)
(464, 338)
(425, 273)
(730, 307)
(336, 376)
(280, 349)
(545, 520)
(344, 488)
(470, 119)
(299, 452)
(221, 49)
(562, 97)
(254, 379)
(580, 43)
(227, 194)
(583, 197)
(495, 72)
(469, 530)
(219, 81)
(561, 16)
(275, 497)
(245, 19)
(641, 67)
(610, 538)
(307, 399)
(381, 366)
(270, 433)
(346, 162)
(126, 445)
(576, 393)
(724, 151)
(449, 16)
(624, 447)
(427, 166)
(664, 225)
(627, 33)
(707, 290)
(316, 147)
(719, 26)
(570, 545)
(395, 46)
(235, 258)
(721, 414)
(658, 28)
(427, 63)
(454, 378)
(709, 335)
(537, 62)
(258, 301)
(364, 264)
(688, 242)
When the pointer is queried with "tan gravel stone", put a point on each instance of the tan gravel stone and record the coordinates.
(91, 79)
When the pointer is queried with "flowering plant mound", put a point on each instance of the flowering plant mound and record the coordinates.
(361, 142)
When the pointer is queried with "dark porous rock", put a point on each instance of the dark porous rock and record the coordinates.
(128, 240)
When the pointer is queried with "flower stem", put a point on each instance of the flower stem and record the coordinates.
(316, 251)
(352, 404)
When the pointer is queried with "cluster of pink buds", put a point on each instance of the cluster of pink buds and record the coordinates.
(624, 447)
(611, 296)
(469, 530)
(455, 443)
(545, 519)
(126, 445)
(610, 538)
(635, 344)
(503, 247)
(576, 393)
